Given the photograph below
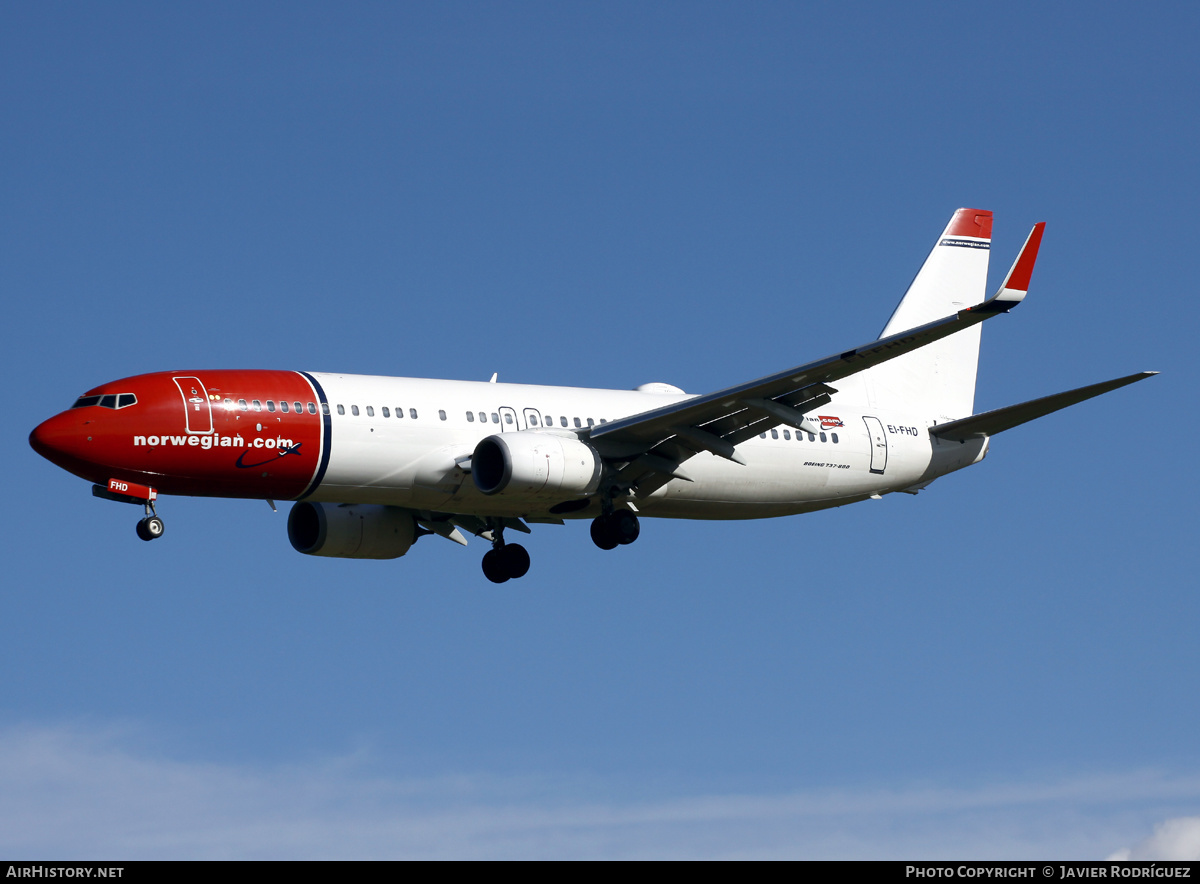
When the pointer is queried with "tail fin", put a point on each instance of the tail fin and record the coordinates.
(939, 380)
(954, 275)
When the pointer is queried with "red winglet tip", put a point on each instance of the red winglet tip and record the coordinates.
(1022, 270)
(970, 222)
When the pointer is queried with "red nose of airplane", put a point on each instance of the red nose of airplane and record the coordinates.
(64, 440)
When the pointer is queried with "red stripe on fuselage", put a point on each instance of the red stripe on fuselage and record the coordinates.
(248, 453)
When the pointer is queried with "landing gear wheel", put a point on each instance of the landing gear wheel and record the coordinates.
(624, 526)
(150, 528)
(618, 528)
(506, 562)
(515, 560)
(494, 565)
(602, 534)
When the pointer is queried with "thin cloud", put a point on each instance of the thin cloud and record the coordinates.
(86, 792)
(1176, 839)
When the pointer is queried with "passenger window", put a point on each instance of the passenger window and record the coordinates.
(547, 420)
(257, 405)
(762, 435)
(242, 404)
(127, 399)
(325, 408)
(508, 419)
(774, 434)
(577, 423)
(341, 409)
(533, 420)
(412, 412)
(441, 414)
(562, 420)
(470, 417)
(833, 436)
(354, 410)
(283, 406)
(787, 435)
(591, 423)
(603, 421)
(370, 411)
(271, 405)
(823, 437)
(495, 418)
(386, 411)
(229, 405)
(812, 438)
(399, 411)
(299, 407)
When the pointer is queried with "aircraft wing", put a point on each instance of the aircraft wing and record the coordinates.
(658, 441)
(992, 422)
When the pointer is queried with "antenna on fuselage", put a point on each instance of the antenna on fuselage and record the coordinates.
(495, 375)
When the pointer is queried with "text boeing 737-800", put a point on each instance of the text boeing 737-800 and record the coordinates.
(375, 463)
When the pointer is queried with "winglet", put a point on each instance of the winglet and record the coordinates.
(1016, 285)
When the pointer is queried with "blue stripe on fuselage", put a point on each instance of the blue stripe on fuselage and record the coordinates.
(326, 435)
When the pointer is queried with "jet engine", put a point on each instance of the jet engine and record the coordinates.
(351, 531)
(535, 465)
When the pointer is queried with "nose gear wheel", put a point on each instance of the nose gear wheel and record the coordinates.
(150, 528)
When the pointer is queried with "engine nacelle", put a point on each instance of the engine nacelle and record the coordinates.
(351, 531)
(536, 466)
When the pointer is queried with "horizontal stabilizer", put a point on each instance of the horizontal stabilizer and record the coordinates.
(992, 422)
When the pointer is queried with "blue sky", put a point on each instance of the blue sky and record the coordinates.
(604, 195)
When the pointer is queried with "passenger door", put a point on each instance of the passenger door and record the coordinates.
(196, 405)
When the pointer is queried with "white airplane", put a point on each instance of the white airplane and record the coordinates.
(375, 463)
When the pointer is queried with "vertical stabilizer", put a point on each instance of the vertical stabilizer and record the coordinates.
(939, 380)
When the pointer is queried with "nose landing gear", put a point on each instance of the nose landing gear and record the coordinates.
(504, 561)
(151, 527)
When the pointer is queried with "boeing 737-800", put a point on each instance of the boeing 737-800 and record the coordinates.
(375, 463)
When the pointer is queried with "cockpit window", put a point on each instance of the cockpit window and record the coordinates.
(111, 400)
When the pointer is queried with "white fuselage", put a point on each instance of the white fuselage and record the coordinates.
(417, 462)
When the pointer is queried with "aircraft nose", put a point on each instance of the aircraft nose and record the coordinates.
(62, 438)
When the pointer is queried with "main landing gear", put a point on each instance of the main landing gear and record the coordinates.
(504, 561)
(616, 528)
